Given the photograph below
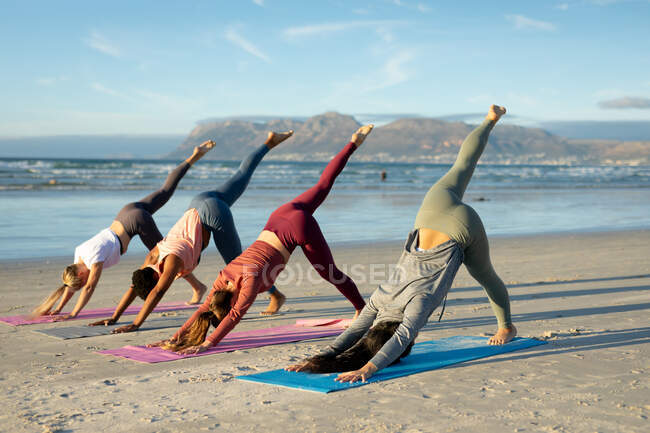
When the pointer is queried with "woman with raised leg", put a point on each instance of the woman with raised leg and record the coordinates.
(447, 233)
(255, 270)
(179, 252)
(105, 249)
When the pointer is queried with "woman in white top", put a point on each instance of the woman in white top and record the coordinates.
(105, 248)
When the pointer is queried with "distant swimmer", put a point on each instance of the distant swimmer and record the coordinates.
(105, 249)
(178, 254)
(447, 233)
(383, 175)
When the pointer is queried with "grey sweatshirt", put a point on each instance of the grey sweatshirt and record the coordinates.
(416, 287)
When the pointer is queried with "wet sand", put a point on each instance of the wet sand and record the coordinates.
(588, 295)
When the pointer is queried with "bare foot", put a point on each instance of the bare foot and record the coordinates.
(200, 150)
(356, 314)
(275, 138)
(496, 112)
(198, 294)
(277, 301)
(503, 336)
(361, 134)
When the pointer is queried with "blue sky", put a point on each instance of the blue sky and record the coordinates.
(147, 67)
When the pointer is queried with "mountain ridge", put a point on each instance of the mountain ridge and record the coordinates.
(415, 139)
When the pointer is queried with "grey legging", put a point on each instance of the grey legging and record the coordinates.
(443, 210)
(214, 207)
(137, 217)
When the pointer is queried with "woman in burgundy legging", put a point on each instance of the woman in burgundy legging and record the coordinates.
(255, 270)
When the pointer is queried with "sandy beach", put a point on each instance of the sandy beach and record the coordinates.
(587, 294)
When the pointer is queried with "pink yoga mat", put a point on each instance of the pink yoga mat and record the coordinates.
(233, 341)
(93, 314)
(341, 323)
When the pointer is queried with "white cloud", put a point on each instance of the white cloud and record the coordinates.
(423, 8)
(98, 42)
(393, 72)
(151, 100)
(259, 2)
(48, 81)
(334, 27)
(480, 99)
(518, 99)
(626, 102)
(521, 22)
(609, 93)
(245, 45)
(386, 34)
(562, 6)
(98, 87)
(604, 2)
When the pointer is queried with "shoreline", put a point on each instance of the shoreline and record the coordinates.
(357, 244)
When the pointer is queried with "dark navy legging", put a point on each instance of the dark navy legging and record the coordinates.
(214, 207)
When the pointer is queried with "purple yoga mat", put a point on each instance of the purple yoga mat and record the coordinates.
(93, 314)
(233, 341)
(341, 323)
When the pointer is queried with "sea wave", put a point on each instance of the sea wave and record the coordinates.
(73, 174)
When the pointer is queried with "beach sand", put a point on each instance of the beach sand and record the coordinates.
(587, 294)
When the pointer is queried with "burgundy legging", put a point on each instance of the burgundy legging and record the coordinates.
(295, 225)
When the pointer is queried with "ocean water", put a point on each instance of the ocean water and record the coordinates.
(42, 220)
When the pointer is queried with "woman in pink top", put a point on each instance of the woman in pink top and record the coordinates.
(179, 252)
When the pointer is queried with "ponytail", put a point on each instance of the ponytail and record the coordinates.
(219, 304)
(48, 302)
(195, 335)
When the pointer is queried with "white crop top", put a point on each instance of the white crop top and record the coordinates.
(103, 247)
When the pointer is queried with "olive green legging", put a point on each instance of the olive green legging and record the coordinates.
(443, 210)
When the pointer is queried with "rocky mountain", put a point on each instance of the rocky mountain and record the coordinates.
(408, 140)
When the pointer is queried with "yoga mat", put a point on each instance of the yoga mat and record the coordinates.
(425, 356)
(72, 332)
(233, 341)
(94, 314)
(342, 323)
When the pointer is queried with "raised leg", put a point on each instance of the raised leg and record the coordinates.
(320, 256)
(234, 187)
(157, 199)
(459, 175)
(314, 196)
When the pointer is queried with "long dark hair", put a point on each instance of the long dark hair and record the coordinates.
(358, 355)
(195, 335)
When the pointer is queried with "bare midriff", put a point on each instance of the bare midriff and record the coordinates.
(272, 239)
(117, 228)
(431, 238)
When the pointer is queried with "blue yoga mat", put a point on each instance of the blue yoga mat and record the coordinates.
(425, 356)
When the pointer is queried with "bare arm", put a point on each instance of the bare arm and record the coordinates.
(171, 266)
(88, 289)
(128, 298)
(245, 298)
(347, 339)
(64, 300)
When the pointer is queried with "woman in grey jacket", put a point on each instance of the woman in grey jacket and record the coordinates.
(447, 232)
